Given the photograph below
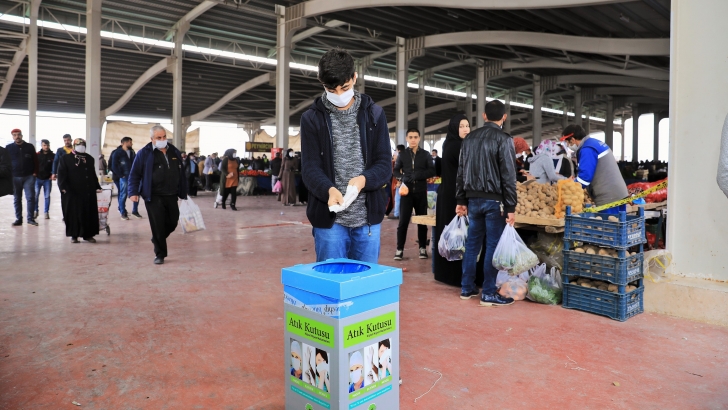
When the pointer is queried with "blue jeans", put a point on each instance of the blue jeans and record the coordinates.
(360, 244)
(397, 197)
(26, 184)
(486, 222)
(123, 194)
(47, 185)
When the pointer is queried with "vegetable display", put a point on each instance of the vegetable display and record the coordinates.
(601, 285)
(570, 193)
(542, 290)
(536, 200)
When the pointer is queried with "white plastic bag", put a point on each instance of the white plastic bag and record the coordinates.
(545, 287)
(512, 255)
(452, 241)
(190, 217)
(515, 287)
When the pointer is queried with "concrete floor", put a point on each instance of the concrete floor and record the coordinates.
(100, 325)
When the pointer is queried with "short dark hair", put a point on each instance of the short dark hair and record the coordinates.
(413, 130)
(400, 147)
(576, 131)
(435, 151)
(495, 110)
(323, 354)
(67, 136)
(125, 139)
(385, 342)
(335, 68)
(190, 153)
(45, 142)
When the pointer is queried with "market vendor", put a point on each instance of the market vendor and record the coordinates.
(598, 169)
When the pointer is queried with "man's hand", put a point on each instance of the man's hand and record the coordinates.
(511, 220)
(461, 210)
(53, 177)
(335, 197)
(403, 190)
(134, 198)
(359, 182)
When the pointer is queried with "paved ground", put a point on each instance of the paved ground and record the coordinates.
(100, 325)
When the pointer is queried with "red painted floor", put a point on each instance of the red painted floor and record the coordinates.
(100, 325)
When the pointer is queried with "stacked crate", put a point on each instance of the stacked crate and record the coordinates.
(628, 233)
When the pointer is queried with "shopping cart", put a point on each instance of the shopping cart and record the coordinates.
(103, 201)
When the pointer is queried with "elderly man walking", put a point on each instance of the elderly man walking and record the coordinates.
(158, 176)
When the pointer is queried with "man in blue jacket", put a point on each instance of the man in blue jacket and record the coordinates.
(120, 164)
(158, 176)
(345, 147)
(25, 169)
(598, 169)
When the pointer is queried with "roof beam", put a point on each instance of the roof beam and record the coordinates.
(428, 110)
(637, 92)
(189, 17)
(319, 7)
(613, 80)
(316, 30)
(140, 82)
(590, 45)
(650, 73)
(13, 70)
(248, 85)
(437, 126)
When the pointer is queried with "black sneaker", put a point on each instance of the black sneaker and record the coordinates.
(468, 295)
(35, 214)
(494, 300)
(33, 222)
(158, 261)
(136, 215)
(74, 240)
(125, 217)
(47, 216)
(423, 253)
(398, 255)
(17, 222)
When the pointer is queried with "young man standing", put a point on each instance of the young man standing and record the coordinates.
(65, 149)
(486, 192)
(122, 159)
(45, 169)
(437, 162)
(25, 168)
(413, 168)
(345, 146)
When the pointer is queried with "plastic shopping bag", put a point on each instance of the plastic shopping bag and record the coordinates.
(190, 217)
(545, 287)
(277, 187)
(515, 287)
(452, 241)
(512, 255)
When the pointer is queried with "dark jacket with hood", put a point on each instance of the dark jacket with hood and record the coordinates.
(120, 163)
(45, 164)
(414, 169)
(487, 167)
(140, 177)
(317, 160)
(6, 173)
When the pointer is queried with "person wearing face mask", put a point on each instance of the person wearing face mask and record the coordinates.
(356, 372)
(78, 182)
(296, 369)
(523, 153)
(25, 168)
(289, 166)
(121, 160)
(229, 178)
(158, 176)
(345, 147)
(322, 370)
(192, 174)
(542, 164)
(385, 359)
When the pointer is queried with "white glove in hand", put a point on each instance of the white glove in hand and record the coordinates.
(351, 193)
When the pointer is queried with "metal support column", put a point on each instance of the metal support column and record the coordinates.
(609, 124)
(480, 104)
(33, 71)
(507, 125)
(635, 132)
(656, 155)
(360, 69)
(577, 106)
(421, 104)
(469, 102)
(565, 119)
(401, 91)
(283, 79)
(587, 121)
(93, 78)
(180, 129)
(536, 111)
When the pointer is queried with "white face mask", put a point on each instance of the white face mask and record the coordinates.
(80, 148)
(296, 363)
(384, 360)
(342, 100)
(235, 155)
(574, 147)
(355, 375)
(290, 154)
(160, 144)
(322, 367)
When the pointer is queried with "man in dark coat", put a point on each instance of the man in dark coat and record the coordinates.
(46, 158)
(437, 162)
(158, 176)
(121, 160)
(275, 169)
(25, 168)
(78, 182)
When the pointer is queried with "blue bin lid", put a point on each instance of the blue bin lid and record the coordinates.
(341, 278)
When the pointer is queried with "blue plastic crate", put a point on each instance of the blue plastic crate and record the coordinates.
(619, 271)
(601, 302)
(628, 232)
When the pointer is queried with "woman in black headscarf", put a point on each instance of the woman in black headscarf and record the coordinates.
(79, 184)
(446, 271)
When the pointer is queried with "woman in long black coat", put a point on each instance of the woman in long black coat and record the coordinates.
(450, 272)
(78, 182)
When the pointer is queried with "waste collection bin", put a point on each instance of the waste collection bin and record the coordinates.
(341, 335)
